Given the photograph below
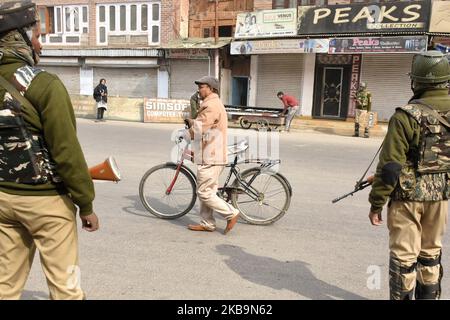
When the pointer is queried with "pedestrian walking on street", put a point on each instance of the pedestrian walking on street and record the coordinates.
(43, 173)
(291, 108)
(413, 172)
(101, 97)
(209, 135)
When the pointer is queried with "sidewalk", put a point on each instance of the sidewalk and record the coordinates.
(337, 127)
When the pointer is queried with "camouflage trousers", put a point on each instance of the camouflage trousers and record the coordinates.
(415, 243)
(364, 118)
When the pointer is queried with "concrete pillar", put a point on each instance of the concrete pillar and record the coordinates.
(252, 88)
(308, 84)
(163, 84)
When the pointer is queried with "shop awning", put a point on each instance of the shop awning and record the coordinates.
(197, 43)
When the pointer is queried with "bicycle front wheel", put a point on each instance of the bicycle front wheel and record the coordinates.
(153, 191)
(271, 201)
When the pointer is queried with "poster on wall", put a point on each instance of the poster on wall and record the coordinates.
(165, 110)
(266, 23)
(440, 17)
(378, 44)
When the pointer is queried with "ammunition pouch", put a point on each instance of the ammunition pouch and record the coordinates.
(24, 157)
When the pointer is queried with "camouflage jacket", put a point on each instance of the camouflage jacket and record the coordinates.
(397, 176)
(363, 100)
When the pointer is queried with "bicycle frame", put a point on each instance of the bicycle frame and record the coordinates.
(187, 154)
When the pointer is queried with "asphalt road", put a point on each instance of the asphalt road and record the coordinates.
(318, 250)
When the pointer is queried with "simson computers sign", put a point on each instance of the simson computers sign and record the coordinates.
(380, 18)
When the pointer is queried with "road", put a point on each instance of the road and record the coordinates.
(318, 250)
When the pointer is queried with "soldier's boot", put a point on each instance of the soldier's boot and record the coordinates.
(401, 280)
(356, 130)
(366, 132)
(429, 271)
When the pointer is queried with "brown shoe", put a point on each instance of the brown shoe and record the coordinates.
(199, 227)
(231, 223)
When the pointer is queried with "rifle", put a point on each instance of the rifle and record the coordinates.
(360, 185)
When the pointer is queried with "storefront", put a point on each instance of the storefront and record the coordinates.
(337, 47)
(187, 60)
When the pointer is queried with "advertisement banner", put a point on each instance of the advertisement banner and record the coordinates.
(378, 44)
(279, 46)
(440, 17)
(380, 18)
(266, 23)
(191, 54)
(165, 110)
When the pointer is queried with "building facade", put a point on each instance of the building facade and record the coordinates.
(338, 45)
(86, 40)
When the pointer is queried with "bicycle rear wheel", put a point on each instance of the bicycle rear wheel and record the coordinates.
(153, 191)
(274, 196)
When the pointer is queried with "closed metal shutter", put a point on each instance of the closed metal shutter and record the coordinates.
(128, 82)
(70, 76)
(278, 72)
(387, 80)
(183, 73)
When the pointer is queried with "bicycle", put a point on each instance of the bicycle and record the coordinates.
(168, 191)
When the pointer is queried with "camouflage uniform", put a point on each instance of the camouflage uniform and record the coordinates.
(195, 104)
(413, 172)
(363, 100)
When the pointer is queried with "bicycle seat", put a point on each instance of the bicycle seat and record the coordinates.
(238, 147)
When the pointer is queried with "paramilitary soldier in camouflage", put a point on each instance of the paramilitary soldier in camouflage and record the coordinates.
(363, 99)
(413, 172)
(43, 172)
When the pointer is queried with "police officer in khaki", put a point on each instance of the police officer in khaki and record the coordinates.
(43, 173)
(413, 172)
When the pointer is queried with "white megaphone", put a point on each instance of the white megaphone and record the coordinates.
(107, 170)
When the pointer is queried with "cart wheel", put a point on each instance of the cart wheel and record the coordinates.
(245, 124)
(263, 124)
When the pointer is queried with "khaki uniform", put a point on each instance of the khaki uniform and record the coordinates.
(24, 226)
(209, 133)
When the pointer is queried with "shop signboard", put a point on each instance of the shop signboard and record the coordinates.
(266, 23)
(380, 18)
(378, 44)
(279, 46)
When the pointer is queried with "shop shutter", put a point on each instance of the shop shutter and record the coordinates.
(70, 76)
(183, 73)
(278, 72)
(387, 80)
(128, 82)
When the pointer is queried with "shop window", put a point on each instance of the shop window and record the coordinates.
(129, 19)
(225, 31)
(63, 24)
(282, 4)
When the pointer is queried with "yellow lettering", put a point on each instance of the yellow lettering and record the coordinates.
(363, 14)
(414, 15)
(339, 14)
(320, 14)
(386, 13)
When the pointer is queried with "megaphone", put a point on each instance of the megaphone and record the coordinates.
(107, 170)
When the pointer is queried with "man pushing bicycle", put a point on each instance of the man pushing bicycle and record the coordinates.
(209, 143)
